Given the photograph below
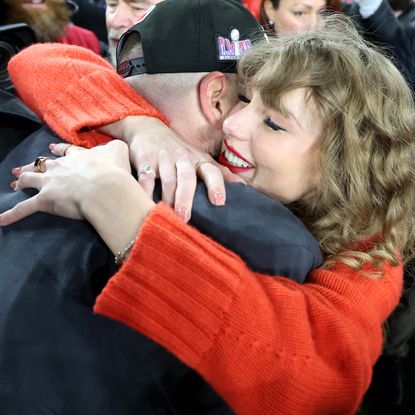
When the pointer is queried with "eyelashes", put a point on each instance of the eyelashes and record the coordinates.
(243, 98)
(267, 121)
(273, 125)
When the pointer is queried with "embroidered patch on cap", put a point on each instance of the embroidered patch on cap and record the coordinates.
(231, 48)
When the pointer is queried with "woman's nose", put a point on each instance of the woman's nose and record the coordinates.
(235, 125)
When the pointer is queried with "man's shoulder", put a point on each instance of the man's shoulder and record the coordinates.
(265, 233)
(11, 106)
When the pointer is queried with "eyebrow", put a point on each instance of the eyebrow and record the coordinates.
(288, 114)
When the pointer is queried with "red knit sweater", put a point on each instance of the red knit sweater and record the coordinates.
(266, 344)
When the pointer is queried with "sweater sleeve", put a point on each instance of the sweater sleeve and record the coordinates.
(74, 90)
(267, 344)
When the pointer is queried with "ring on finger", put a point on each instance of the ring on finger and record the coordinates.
(39, 164)
(147, 170)
(199, 164)
(66, 150)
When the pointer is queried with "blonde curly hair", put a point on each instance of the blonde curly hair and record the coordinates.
(367, 151)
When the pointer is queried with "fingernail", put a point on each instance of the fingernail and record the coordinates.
(52, 146)
(13, 185)
(219, 198)
(183, 214)
(16, 171)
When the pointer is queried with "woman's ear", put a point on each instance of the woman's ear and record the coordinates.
(269, 10)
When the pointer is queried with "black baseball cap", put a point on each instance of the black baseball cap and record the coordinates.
(191, 36)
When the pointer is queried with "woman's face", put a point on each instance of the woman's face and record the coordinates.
(295, 15)
(275, 153)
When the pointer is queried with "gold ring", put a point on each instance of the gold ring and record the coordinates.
(39, 164)
(66, 149)
(146, 170)
(199, 164)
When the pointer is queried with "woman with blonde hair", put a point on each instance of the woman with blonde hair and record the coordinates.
(326, 125)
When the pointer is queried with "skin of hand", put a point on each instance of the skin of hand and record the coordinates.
(77, 187)
(175, 162)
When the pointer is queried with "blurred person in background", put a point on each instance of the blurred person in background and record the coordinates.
(381, 26)
(120, 15)
(404, 11)
(91, 16)
(284, 16)
(50, 19)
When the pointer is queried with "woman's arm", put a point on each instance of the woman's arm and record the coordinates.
(266, 344)
(73, 90)
(81, 97)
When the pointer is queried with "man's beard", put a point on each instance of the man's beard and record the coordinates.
(49, 23)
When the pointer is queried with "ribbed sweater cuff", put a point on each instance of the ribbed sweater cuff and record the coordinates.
(181, 306)
(91, 107)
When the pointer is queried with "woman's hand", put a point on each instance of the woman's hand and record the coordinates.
(176, 163)
(94, 184)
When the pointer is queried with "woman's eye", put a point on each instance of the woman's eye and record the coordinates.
(243, 98)
(271, 124)
(299, 13)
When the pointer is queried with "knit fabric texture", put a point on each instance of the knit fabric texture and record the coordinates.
(55, 82)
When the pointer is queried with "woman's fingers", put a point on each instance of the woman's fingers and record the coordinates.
(29, 180)
(46, 162)
(168, 177)
(146, 176)
(186, 186)
(147, 170)
(20, 211)
(64, 149)
(214, 181)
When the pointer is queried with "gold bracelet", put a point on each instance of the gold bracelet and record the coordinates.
(120, 255)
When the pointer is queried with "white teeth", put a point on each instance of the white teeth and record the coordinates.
(235, 160)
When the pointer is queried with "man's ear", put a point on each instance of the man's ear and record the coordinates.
(215, 99)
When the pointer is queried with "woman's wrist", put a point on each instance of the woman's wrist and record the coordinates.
(117, 218)
(129, 127)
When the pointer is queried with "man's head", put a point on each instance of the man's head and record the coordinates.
(48, 18)
(120, 15)
(182, 57)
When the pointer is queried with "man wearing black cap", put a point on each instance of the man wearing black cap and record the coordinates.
(71, 361)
